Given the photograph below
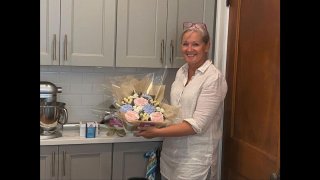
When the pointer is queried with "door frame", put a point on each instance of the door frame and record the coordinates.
(220, 53)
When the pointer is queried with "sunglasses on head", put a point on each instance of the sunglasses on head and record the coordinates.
(191, 25)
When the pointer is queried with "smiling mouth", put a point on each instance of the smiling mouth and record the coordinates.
(190, 55)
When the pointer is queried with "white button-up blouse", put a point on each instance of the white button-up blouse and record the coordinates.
(201, 105)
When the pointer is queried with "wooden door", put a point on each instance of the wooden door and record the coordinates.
(251, 144)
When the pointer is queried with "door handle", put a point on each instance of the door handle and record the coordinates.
(64, 163)
(53, 164)
(275, 175)
(162, 51)
(65, 47)
(171, 52)
(54, 44)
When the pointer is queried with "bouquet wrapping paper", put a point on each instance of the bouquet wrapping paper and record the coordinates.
(139, 101)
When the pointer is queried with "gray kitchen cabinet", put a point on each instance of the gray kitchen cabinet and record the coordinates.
(148, 31)
(128, 159)
(49, 162)
(76, 162)
(77, 32)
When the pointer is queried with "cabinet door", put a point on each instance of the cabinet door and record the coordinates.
(48, 162)
(128, 159)
(83, 162)
(49, 32)
(186, 11)
(141, 33)
(87, 32)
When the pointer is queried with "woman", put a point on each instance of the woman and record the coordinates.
(189, 147)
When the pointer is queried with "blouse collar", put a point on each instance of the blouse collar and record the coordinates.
(202, 68)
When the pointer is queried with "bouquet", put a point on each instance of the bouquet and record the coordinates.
(139, 101)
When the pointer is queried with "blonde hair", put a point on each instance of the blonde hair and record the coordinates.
(204, 33)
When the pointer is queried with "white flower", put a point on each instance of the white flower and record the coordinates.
(137, 108)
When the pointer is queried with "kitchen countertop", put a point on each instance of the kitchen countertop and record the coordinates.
(71, 136)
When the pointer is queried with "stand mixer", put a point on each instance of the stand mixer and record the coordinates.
(53, 114)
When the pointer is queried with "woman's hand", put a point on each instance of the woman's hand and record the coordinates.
(147, 132)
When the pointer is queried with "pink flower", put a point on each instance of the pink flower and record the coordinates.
(156, 116)
(140, 101)
(131, 115)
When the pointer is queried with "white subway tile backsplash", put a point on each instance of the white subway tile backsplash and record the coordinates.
(44, 68)
(63, 68)
(104, 70)
(92, 100)
(49, 76)
(81, 88)
(94, 78)
(108, 98)
(103, 88)
(87, 90)
(123, 71)
(82, 113)
(70, 100)
(82, 69)
(71, 77)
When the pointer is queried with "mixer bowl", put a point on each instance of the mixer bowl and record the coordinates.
(51, 114)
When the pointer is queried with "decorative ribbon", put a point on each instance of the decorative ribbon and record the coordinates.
(151, 164)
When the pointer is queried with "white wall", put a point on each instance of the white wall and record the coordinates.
(83, 88)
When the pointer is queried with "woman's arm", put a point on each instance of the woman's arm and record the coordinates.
(181, 129)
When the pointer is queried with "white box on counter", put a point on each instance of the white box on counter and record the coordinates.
(89, 129)
(82, 129)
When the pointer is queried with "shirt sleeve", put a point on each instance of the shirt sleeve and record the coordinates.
(209, 101)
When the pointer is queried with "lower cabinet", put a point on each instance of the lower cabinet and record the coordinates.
(76, 162)
(129, 161)
(117, 161)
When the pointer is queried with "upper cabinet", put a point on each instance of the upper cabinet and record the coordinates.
(141, 33)
(77, 32)
(148, 31)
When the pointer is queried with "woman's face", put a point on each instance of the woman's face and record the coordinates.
(194, 50)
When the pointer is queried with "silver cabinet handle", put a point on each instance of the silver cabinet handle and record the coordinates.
(65, 55)
(64, 163)
(171, 52)
(53, 164)
(54, 44)
(161, 51)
